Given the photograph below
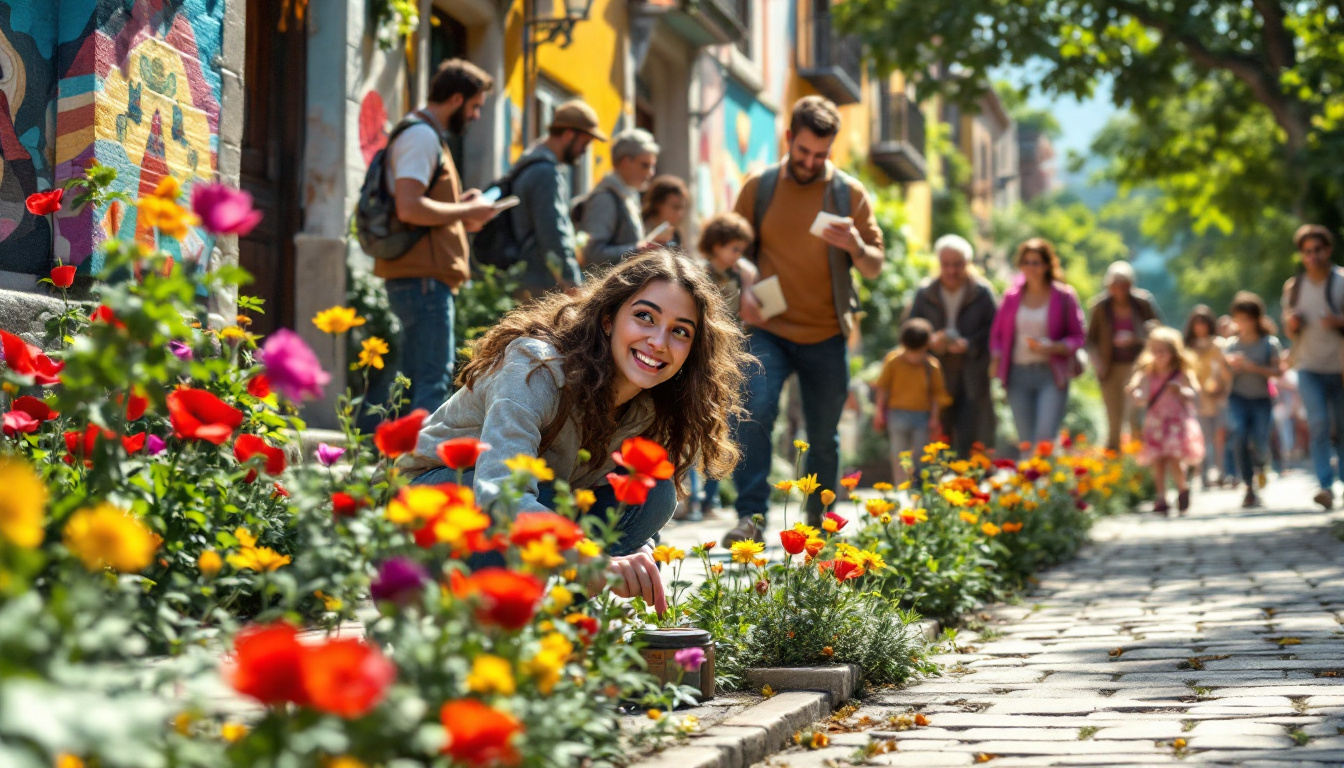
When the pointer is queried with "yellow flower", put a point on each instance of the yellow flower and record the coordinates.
(531, 465)
(801, 446)
(820, 740)
(250, 557)
(871, 561)
(168, 188)
(933, 449)
(588, 547)
(885, 519)
(584, 500)
(1060, 478)
(969, 517)
(829, 525)
(717, 568)
(182, 723)
(1010, 500)
(759, 562)
(665, 553)
(233, 732)
(209, 563)
(561, 598)
(67, 760)
(954, 497)
(827, 497)
(542, 554)
(337, 320)
(990, 529)
(883, 487)
(1030, 506)
(878, 507)
(1178, 744)
(746, 551)
(806, 530)
(960, 466)
(689, 724)
(344, 761)
(491, 674)
(233, 333)
(415, 504)
(912, 516)
(371, 352)
(328, 602)
(105, 536)
(904, 486)
(545, 667)
(808, 485)
(655, 714)
(165, 215)
(785, 485)
(21, 504)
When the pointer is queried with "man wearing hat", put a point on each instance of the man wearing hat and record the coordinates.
(541, 222)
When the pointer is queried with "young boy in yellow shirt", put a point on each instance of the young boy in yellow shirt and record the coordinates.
(910, 393)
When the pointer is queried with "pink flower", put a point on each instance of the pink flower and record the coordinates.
(154, 445)
(328, 454)
(181, 349)
(291, 366)
(224, 210)
(689, 659)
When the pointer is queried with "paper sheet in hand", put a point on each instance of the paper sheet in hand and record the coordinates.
(506, 203)
(770, 296)
(823, 221)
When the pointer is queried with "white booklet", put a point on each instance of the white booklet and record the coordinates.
(823, 221)
(770, 296)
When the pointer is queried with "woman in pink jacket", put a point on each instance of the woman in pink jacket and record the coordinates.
(1035, 340)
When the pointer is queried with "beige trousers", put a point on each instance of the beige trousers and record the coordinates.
(1117, 404)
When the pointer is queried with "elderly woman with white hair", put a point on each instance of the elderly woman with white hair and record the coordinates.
(611, 215)
(960, 306)
(1117, 329)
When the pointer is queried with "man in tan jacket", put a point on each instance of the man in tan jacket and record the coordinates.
(422, 284)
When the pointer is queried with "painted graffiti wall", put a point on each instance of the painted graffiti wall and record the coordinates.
(129, 83)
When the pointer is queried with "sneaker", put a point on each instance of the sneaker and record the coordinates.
(1183, 501)
(1161, 508)
(1250, 499)
(745, 529)
(1325, 498)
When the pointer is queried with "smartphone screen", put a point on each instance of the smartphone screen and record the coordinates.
(492, 194)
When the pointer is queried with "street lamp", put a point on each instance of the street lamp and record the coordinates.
(539, 32)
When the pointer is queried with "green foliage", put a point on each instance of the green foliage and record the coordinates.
(1086, 246)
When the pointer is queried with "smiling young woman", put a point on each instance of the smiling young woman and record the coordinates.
(650, 349)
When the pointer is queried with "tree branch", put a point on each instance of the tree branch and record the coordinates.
(1278, 43)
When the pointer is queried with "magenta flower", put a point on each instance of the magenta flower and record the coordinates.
(398, 580)
(328, 454)
(181, 349)
(689, 659)
(154, 445)
(224, 210)
(291, 366)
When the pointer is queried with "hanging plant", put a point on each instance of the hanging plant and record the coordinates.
(393, 20)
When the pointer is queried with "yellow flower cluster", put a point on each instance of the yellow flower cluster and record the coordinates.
(337, 320)
(105, 536)
(250, 557)
(160, 210)
(22, 504)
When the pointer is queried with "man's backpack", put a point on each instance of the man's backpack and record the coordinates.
(497, 244)
(1295, 289)
(381, 234)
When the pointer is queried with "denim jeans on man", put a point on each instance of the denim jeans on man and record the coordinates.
(823, 379)
(638, 525)
(1249, 420)
(1036, 401)
(1323, 400)
(425, 307)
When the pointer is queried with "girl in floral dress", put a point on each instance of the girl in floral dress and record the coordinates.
(1164, 385)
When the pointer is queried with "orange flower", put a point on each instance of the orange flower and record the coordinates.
(535, 526)
(793, 541)
(199, 415)
(850, 482)
(394, 438)
(507, 598)
(814, 546)
(644, 457)
(346, 677)
(267, 664)
(461, 452)
(478, 734)
(1012, 527)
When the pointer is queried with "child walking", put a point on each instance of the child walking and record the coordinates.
(910, 394)
(1253, 355)
(1164, 383)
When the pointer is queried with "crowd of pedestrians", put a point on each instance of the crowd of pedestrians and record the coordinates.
(1199, 402)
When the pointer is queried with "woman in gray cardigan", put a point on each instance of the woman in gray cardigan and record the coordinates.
(650, 350)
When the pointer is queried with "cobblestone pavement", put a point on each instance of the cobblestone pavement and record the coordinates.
(1221, 629)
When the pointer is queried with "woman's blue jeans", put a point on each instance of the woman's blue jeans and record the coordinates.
(1249, 420)
(638, 525)
(1037, 402)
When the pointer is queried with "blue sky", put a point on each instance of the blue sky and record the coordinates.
(1080, 120)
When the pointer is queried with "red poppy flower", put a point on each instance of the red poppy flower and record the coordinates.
(43, 203)
(279, 492)
(394, 438)
(851, 481)
(17, 422)
(586, 626)
(1005, 464)
(259, 386)
(345, 505)
(644, 457)
(631, 489)
(534, 526)
(479, 735)
(793, 541)
(843, 570)
(507, 598)
(38, 409)
(134, 443)
(81, 445)
(27, 360)
(199, 415)
(135, 405)
(461, 452)
(345, 677)
(104, 314)
(267, 664)
(63, 276)
(248, 446)
(838, 519)
(1079, 471)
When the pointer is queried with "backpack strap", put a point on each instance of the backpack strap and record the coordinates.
(837, 200)
(765, 191)
(410, 121)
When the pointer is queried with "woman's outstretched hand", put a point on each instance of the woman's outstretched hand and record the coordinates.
(637, 576)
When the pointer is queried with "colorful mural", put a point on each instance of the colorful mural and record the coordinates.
(129, 83)
(740, 136)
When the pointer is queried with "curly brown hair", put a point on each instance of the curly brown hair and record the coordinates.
(660, 189)
(723, 229)
(1039, 245)
(691, 410)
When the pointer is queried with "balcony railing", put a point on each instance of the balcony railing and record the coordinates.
(832, 62)
(899, 148)
(700, 22)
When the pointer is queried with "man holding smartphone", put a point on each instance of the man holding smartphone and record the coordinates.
(421, 284)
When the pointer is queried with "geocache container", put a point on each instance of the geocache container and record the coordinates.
(660, 646)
